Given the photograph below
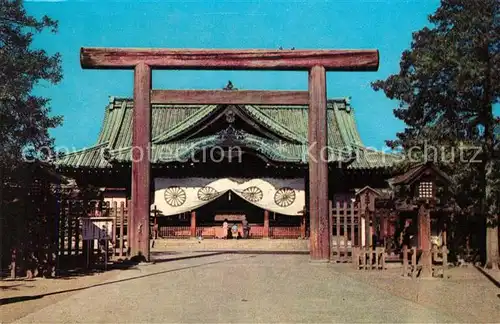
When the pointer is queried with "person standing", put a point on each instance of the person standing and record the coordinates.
(246, 228)
(155, 231)
(234, 231)
(225, 229)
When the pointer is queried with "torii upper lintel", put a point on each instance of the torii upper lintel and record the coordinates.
(204, 59)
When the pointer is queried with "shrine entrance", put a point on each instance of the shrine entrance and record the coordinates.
(206, 221)
(316, 62)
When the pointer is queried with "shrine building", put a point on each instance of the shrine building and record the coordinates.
(211, 163)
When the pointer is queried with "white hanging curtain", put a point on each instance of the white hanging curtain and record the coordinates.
(284, 196)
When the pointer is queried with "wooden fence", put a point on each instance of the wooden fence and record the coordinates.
(256, 231)
(440, 260)
(411, 267)
(174, 232)
(72, 250)
(351, 241)
(369, 259)
(347, 236)
(284, 232)
(205, 231)
(345, 223)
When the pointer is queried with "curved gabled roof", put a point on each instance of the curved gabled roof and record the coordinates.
(170, 123)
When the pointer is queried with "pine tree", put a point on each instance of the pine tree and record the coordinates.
(448, 84)
(24, 117)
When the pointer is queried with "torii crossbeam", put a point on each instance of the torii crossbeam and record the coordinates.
(316, 62)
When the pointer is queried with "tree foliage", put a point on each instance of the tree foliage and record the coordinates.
(24, 118)
(447, 86)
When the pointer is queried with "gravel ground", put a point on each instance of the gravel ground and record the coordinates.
(465, 293)
(19, 298)
(255, 288)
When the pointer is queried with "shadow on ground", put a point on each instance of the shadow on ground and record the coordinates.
(156, 253)
(489, 277)
(157, 257)
(10, 300)
(13, 287)
(254, 252)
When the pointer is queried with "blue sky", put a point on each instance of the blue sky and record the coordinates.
(82, 95)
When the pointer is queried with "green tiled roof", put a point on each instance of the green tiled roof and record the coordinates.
(171, 122)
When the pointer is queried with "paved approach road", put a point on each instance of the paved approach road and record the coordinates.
(222, 288)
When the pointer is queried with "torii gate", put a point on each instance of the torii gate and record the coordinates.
(316, 62)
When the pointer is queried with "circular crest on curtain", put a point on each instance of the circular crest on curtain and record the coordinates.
(175, 196)
(284, 197)
(207, 193)
(253, 194)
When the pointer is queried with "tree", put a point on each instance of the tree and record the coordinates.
(24, 117)
(448, 83)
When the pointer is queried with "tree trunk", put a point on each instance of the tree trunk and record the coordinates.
(2, 215)
(424, 240)
(489, 204)
(492, 250)
(492, 253)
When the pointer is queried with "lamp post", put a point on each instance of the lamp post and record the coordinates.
(422, 182)
(426, 200)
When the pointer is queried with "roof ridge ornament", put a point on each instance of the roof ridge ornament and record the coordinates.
(229, 86)
(230, 116)
(231, 134)
(106, 154)
(111, 102)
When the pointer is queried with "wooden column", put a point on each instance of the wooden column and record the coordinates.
(444, 250)
(444, 235)
(424, 231)
(353, 239)
(115, 215)
(70, 218)
(266, 224)
(13, 264)
(193, 223)
(368, 223)
(122, 225)
(405, 260)
(361, 226)
(369, 229)
(130, 226)
(318, 167)
(383, 226)
(140, 162)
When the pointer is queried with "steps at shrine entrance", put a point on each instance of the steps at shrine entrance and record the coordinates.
(282, 245)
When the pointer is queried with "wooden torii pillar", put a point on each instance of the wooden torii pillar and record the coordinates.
(316, 62)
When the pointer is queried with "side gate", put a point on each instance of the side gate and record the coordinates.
(73, 252)
(345, 230)
(351, 236)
